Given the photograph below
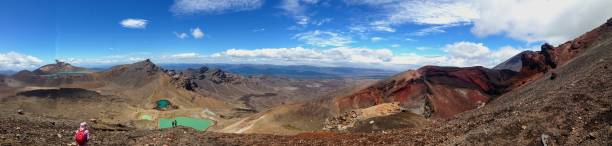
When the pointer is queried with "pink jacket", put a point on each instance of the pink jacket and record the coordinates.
(83, 127)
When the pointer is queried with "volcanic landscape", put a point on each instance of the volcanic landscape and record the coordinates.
(560, 95)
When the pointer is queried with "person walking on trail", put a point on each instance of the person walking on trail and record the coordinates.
(82, 135)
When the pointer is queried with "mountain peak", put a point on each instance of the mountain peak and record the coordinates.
(59, 66)
(215, 75)
(136, 74)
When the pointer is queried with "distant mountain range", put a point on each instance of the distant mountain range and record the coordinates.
(7, 72)
(291, 71)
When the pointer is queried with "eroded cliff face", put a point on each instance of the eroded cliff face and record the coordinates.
(441, 92)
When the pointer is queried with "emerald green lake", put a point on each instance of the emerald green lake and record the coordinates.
(198, 124)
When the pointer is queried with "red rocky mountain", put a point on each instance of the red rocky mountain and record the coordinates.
(442, 92)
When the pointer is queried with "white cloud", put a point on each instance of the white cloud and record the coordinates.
(108, 60)
(323, 38)
(134, 23)
(214, 6)
(553, 21)
(412, 59)
(376, 39)
(477, 54)
(181, 35)
(186, 56)
(182, 56)
(461, 54)
(425, 12)
(16, 61)
(328, 57)
(274, 53)
(540, 20)
(396, 45)
(197, 33)
(467, 49)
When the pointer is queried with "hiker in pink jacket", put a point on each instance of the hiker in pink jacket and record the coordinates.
(82, 135)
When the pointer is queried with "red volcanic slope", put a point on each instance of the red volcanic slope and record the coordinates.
(427, 90)
(442, 92)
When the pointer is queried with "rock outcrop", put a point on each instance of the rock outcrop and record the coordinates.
(191, 79)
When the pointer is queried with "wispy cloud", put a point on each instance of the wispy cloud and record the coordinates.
(432, 12)
(323, 38)
(214, 6)
(434, 29)
(299, 10)
(134, 23)
(258, 30)
(181, 35)
(382, 26)
(376, 39)
(422, 12)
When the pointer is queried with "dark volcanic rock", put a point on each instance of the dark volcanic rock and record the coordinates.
(71, 93)
(217, 76)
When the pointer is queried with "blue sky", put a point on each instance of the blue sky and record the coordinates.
(391, 34)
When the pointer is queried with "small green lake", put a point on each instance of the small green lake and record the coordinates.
(146, 117)
(198, 124)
